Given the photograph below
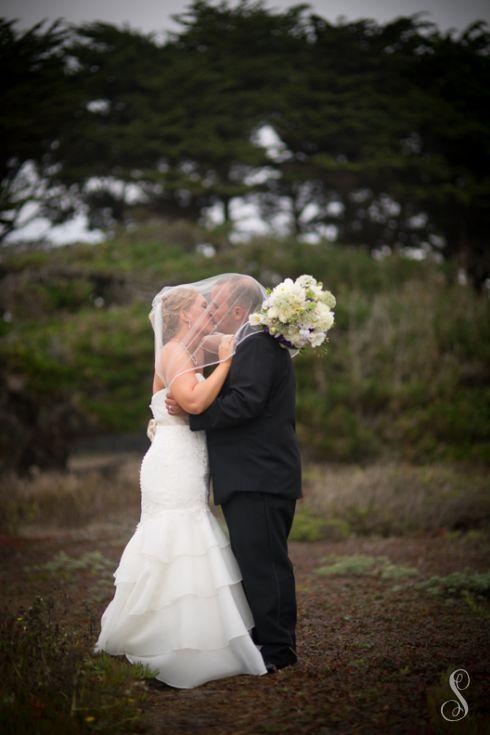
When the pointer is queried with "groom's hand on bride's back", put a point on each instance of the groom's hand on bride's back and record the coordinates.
(172, 405)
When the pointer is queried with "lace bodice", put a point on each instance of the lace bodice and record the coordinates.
(174, 472)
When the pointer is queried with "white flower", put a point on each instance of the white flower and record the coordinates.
(329, 299)
(272, 312)
(317, 338)
(289, 300)
(255, 319)
(323, 317)
(305, 281)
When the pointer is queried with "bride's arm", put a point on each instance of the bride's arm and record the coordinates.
(195, 396)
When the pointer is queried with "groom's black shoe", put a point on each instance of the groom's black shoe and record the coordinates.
(280, 663)
(271, 668)
(283, 664)
(274, 668)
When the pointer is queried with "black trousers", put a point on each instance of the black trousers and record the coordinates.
(259, 525)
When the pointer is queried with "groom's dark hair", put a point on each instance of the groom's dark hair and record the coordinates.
(243, 291)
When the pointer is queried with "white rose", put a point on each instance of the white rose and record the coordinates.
(323, 317)
(329, 299)
(295, 340)
(305, 281)
(283, 315)
(316, 338)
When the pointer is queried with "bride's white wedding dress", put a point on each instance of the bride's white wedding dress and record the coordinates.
(179, 604)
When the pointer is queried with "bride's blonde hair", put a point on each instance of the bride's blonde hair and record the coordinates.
(171, 306)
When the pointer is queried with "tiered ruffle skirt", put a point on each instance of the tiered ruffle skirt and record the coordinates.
(179, 605)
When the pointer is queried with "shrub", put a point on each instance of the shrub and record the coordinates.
(52, 685)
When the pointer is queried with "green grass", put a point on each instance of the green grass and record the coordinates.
(92, 562)
(67, 569)
(362, 565)
(309, 526)
(458, 583)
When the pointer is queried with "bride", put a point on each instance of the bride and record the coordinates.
(179, 605)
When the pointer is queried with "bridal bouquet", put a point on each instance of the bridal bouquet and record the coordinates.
(297, 313)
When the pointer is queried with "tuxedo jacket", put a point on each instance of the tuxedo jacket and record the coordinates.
(250, 427)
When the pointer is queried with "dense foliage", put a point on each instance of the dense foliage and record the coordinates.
(404, 373)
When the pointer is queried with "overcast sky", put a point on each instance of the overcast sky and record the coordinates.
(155, 15)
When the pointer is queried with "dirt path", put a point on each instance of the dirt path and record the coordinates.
(369, 655)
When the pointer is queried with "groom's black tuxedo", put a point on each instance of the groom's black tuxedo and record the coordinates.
(250, 427)
(256, 471)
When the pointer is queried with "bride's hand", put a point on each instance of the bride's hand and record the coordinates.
(226, 347)
(172, 406)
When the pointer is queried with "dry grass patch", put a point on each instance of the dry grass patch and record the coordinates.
(393, 498)
(68, 499)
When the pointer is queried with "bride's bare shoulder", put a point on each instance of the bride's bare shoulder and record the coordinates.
(173, 348)
(173, 355)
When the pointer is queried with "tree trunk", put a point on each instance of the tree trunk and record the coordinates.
(226, 210)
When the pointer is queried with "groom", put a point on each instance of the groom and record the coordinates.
(255, 467)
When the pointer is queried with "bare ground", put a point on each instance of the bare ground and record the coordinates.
(368, 656)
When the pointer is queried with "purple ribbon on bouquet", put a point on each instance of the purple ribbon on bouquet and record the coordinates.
(282, 340)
